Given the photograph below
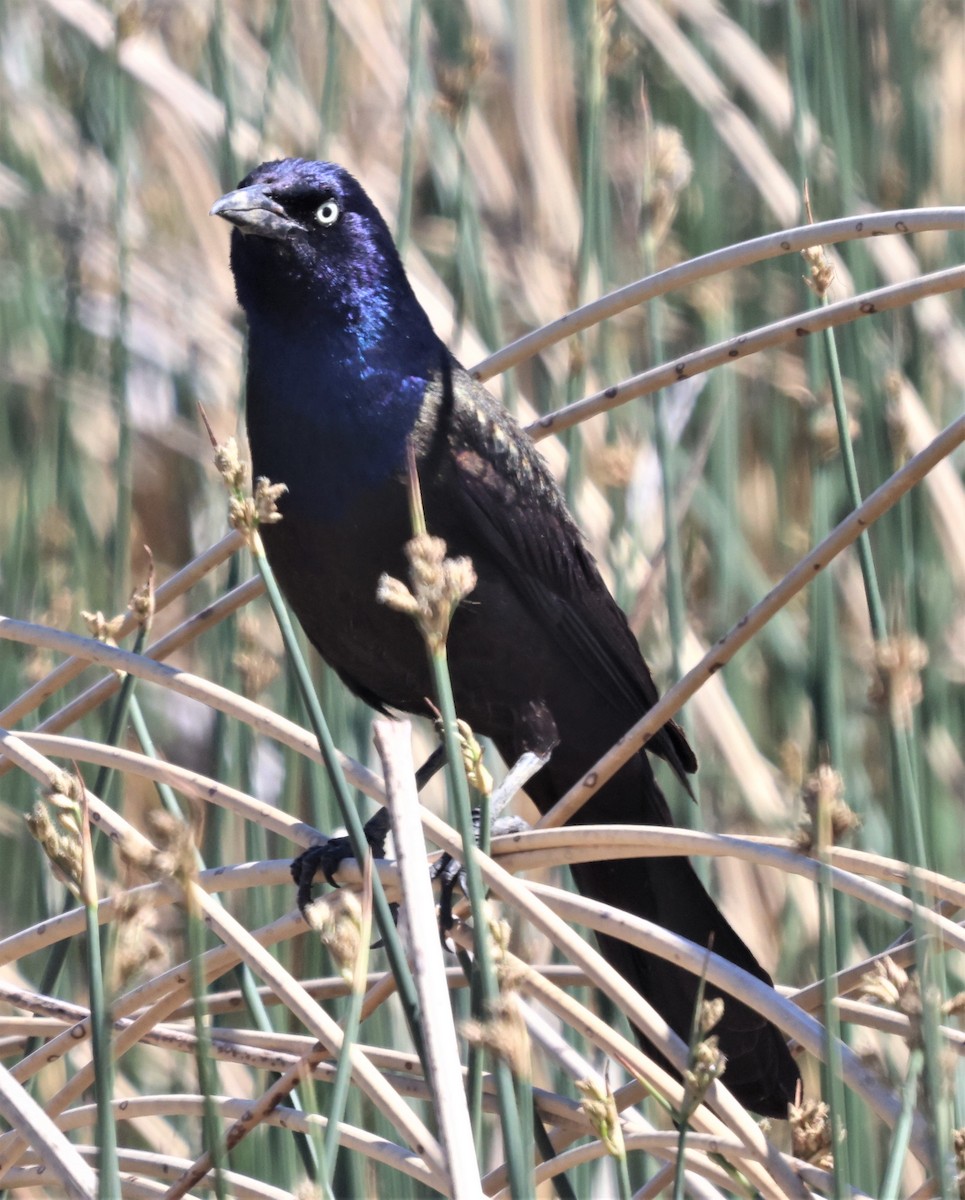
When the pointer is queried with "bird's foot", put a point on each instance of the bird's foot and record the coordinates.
(328, 856)
(449, 871)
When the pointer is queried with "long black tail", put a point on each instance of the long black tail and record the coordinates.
(759, 1071)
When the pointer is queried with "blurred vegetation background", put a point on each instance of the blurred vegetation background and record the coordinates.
(530, 156)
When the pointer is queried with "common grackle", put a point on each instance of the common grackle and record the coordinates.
(343, 370)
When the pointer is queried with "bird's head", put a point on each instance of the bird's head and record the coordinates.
(308, 242)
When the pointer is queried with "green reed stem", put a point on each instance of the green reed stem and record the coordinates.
(347, 810)
(350, 1028)
(100, 1019)
(901, 1134)
(205, 1063)
(412, 91)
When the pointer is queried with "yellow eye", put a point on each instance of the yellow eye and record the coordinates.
(327, 213)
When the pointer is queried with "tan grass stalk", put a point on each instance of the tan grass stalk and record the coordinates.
(321, 1025)
(189, 783)
(259, 718)
(331, 986)
(394, 745)
(887, 1020)
(58, 1156)
(763, 1170)
(176, 639)
(69, 924)
(163, 1166)
(163, 993)
(613, 984)
(171, 589)
(760, 996)
(178, 1104)
(776, 333)
(728, 258)
(534, 849)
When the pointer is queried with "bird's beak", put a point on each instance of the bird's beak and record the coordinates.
(253, 210)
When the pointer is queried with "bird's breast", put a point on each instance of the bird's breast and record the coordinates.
(332, 429)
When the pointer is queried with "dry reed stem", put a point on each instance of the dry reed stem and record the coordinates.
(689, 842)
(698, 1150)
(57, 1155)
(394, 745)
(140, 1163)
(176, 639)
(332, 986)
(171, 589)
(776, 333)
(705, 266)
(130, 840)
(539, 848)
(321, 1025)
(99, 692)
(230, 1108)
(259, 718)
(163, 999)
(760, 1169)
(163, 993)
(886, 1020)
(69, 924)
(611, 983)
(188, 783)
(723, 974)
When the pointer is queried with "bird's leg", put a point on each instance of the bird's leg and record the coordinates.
(328, 856)
(430, 767)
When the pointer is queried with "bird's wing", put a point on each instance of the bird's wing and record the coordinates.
(516, 511)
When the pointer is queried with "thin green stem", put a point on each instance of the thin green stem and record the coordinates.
(205, 1062)
(119, 354)
(413, 88)
(347, 810)
(828, 955)
(343, 1069)
(125, 700)
(100, 1020)
(261, 1018)
(518, 1154)
(221, 77)
(906, 798)
(936, 1098)
(276, 42)
(166, 793)
(901, 1134)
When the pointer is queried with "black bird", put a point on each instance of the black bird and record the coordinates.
(343, 370)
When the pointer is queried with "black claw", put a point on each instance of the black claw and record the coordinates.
(449, 871)
(328, 857)
(324, 858)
